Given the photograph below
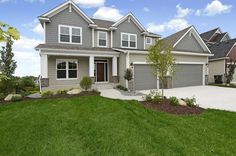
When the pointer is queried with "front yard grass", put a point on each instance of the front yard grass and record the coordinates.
(93, 125)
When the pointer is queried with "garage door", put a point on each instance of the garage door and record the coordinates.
(187, 75)
(144, 78)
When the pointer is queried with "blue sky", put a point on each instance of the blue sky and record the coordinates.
(163, 17)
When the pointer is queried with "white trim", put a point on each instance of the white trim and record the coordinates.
(91, 66)
(111, 39)
(45, 34)
(98, 39)
(114, 66)
(218, 29)
(92, 37)
(231, 49)
(217, 59)
(101, 28)
(144, 42)
(129, 34)
(150, 40)
(67, 69)
(70, 34)
(190, 63)
(140, 26)
(140, 63)
(127, 66)
(199, 39)
(190, 53)
(224, 36)
(44, 65)
(77, 9)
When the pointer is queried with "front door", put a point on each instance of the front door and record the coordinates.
(100, 72)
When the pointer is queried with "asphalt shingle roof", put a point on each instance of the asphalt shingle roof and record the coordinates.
(219, 37)
(207, 35)
(103, 23)
(221, 49)
(172, 39)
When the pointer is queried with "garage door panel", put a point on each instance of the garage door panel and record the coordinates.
(187, 75)
(144, 77)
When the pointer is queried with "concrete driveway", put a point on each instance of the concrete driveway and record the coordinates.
(206, 96)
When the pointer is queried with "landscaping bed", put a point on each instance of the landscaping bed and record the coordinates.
(165, 106)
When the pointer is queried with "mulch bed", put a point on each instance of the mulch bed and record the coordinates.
(84, 93)
(165, 106)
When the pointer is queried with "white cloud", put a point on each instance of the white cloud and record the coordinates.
(38, 29)
(145, 9)
(175, 24)
(108, 13)
(198, 12)
(30, 1)
(181, 12)
(216, 7)
(28, 61)
(90, 3)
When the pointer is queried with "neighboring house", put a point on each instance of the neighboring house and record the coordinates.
(77, 46)
(224, 50)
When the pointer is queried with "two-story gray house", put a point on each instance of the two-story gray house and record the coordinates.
(77, 46)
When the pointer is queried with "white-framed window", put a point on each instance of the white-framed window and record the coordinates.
(66, 69)
(128, 40)
(102, 39)
(148, 40)
(69, 34)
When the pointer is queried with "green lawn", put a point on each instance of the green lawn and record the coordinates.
(98, 126)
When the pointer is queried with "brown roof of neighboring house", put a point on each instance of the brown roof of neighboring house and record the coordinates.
(207, 35)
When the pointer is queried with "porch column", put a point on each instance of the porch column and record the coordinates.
(44, 80)
(44, 66)
(91, 67)
(114, 70)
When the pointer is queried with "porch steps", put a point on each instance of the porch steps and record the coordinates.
(103, 86)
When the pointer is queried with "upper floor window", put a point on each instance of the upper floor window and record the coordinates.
(67, 69)
(128, 40)
(148, 40)
(70, 34)
(102, 39)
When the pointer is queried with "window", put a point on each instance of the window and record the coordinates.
(148, 40)
(128, 40)
(69, 34)
(67, 69)
(102, 39)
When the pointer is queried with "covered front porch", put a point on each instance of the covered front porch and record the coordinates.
(66, 70)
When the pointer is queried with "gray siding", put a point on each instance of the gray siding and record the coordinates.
(189, 44)
(128, 27)
(68, 18)
(96, 38)
(122, 68)
(153, 42)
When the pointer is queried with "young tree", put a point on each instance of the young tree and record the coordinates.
(230, 74)
(7, 31)
(161, 60)
(128, 75)
(7, 64)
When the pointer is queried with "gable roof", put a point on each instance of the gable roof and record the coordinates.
(222, 49)
(208, 35)
(66, 4)
(135, 20)
(219, 37)
(103, 23)
(175, 38)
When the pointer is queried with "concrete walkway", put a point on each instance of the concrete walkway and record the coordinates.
(115, 94)
(207, 96)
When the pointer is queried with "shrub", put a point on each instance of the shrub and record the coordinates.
(95, 91)
(147, 97)
(190, 101)
(120, 87)
(7, 85)
(16, 98)
(2, 96)
(47, 93)
(157, 98)
(86, 83)
(174, 101)
(61, 92)
(128, 74)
